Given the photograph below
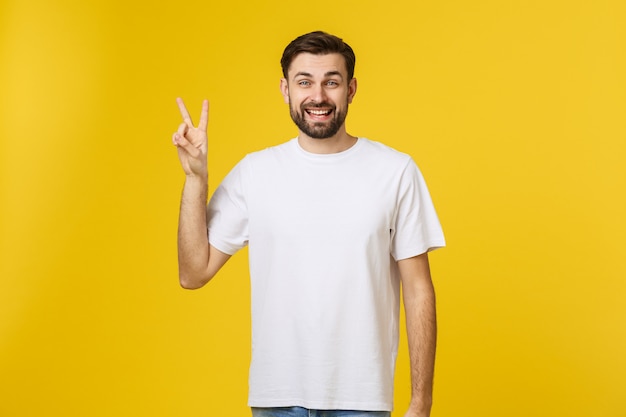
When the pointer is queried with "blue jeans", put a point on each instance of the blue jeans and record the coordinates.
(304, 412)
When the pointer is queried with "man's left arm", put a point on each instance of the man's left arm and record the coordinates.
(421, 322)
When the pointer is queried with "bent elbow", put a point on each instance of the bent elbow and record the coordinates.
(189, 285)
(190, 282)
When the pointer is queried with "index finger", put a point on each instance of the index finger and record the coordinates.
(204, 115)
(183, 111)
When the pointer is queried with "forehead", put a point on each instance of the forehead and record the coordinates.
(317, 65)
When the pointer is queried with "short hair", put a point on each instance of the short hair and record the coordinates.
(318, 43)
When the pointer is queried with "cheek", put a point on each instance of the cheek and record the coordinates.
(294, 106)
(294, 100)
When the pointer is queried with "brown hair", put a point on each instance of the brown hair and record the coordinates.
(318, 43)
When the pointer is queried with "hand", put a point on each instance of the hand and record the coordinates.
(412, 413)
(192, 142)
(418, 409)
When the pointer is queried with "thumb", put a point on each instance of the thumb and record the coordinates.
(183, 143)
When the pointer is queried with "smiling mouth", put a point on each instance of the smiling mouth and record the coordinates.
(318, 112)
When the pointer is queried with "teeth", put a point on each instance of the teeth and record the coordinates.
(319, 112)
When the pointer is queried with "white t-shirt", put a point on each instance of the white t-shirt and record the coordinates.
(323, 232)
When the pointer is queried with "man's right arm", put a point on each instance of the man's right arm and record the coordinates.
(198, 261)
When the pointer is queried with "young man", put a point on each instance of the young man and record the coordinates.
(335, 224)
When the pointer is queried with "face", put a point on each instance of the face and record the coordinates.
(318, 93)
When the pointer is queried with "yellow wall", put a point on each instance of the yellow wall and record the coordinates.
(514, 110)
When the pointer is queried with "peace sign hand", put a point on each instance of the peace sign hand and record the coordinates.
(192, 142)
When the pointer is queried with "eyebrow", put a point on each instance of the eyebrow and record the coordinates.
(308, 74)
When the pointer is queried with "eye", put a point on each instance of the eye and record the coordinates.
(332, 83)
(304, 83)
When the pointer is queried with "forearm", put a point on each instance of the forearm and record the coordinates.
(193, 246)
(421, 323)
(422, 337)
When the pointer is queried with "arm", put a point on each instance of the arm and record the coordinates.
(421, 323)
(198, 261)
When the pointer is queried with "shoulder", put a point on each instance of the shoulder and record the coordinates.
(382, 149)
(384, 153)
(267, 154)
(265, 160)
(271, 152)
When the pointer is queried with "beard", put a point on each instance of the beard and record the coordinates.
(319, 130)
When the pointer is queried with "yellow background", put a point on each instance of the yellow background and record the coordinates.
(514, 110)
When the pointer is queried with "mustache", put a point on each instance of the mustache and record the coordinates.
(313, 105)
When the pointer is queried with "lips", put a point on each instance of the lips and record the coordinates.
(319, 112)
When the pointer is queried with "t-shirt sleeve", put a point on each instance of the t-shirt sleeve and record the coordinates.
(227, 212)
(416, 227)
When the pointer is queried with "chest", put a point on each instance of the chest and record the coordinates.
(320, 201)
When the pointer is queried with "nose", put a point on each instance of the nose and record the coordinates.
(318, 95)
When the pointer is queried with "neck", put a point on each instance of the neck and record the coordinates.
(334, 144)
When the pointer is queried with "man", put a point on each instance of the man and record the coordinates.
(334, 223)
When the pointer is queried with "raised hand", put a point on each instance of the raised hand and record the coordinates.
(192, 142)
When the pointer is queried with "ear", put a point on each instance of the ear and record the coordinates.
(284, 89)
(351, 90)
